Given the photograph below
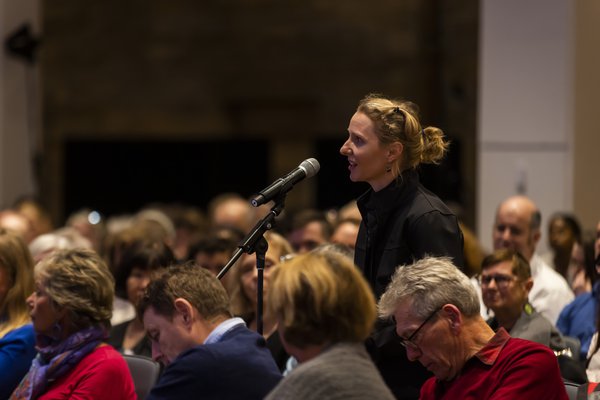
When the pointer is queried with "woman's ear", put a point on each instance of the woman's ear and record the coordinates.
(395, 151)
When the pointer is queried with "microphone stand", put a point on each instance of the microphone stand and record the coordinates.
(255, 242)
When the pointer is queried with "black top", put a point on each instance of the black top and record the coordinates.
(117, 333)
(401, 223)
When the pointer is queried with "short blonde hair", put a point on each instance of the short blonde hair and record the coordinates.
(321, 297)
(79, 281)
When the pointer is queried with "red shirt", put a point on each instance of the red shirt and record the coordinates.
(102, 374)
(505, 368)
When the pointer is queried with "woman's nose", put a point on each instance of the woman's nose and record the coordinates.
(345, 149)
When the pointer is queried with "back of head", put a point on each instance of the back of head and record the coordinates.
(18, 223)
(398, 121)
(17, 264)
(430, 283)
(36, 212)
(321, 297)
(62, 238)
(188, 281)
(79, 281)
(231, 209)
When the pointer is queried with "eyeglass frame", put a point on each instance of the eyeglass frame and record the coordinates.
(506, 279)
(408, 342)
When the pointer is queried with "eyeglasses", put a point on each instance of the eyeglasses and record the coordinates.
(502, 281)
(408, 342)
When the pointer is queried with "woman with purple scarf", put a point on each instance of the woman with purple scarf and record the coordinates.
(71, 308)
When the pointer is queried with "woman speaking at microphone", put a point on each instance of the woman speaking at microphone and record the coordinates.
(401, 220)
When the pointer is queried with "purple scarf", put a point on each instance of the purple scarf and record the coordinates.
(55, 358)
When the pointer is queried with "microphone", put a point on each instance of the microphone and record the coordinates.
(307, 169)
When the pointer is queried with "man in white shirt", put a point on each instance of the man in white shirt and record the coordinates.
(517, 227)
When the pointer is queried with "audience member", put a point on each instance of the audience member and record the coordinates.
(70, 309)
(401, 220)
(156, 225)
(206, 352)
(583, 265)
(309, 228)
(18, 223)
(90, 224)
(231, 209)
(506, 282)
(325, 310)
(138, 262)
(142, 229)
(578, 318)
(517, 227)
(190, 224)
(472, 250)
(436, 309)
(593, 357)
(345, 232)
(564, 231)
(214, 250)
(349, 211)
(245, 288)
(32, 208)
(61, 238)
(17, 339)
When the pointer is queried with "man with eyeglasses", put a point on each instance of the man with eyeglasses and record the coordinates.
(505, 285)
(436, 311)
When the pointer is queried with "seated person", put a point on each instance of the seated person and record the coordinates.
(214, 250)
(244, 302)
(436, 311)
(308, 229)
(17, 338)
(578, 318)
(204, 350)
(137, 263)
(345, 232)
(71, 308)
(505, 284)
(325, 310)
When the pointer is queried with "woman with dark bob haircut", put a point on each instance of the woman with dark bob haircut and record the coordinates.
(71, 308)
(325, 310)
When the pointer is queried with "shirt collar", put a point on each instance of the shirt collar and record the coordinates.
(221, 329)
(489, 353)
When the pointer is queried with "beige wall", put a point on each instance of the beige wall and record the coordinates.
(586, 196)
(537, 106)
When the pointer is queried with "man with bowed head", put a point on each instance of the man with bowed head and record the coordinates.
(206, 352)
(517, 227)
(436, 309)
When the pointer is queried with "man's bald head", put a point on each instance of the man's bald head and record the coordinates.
(517, 225)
